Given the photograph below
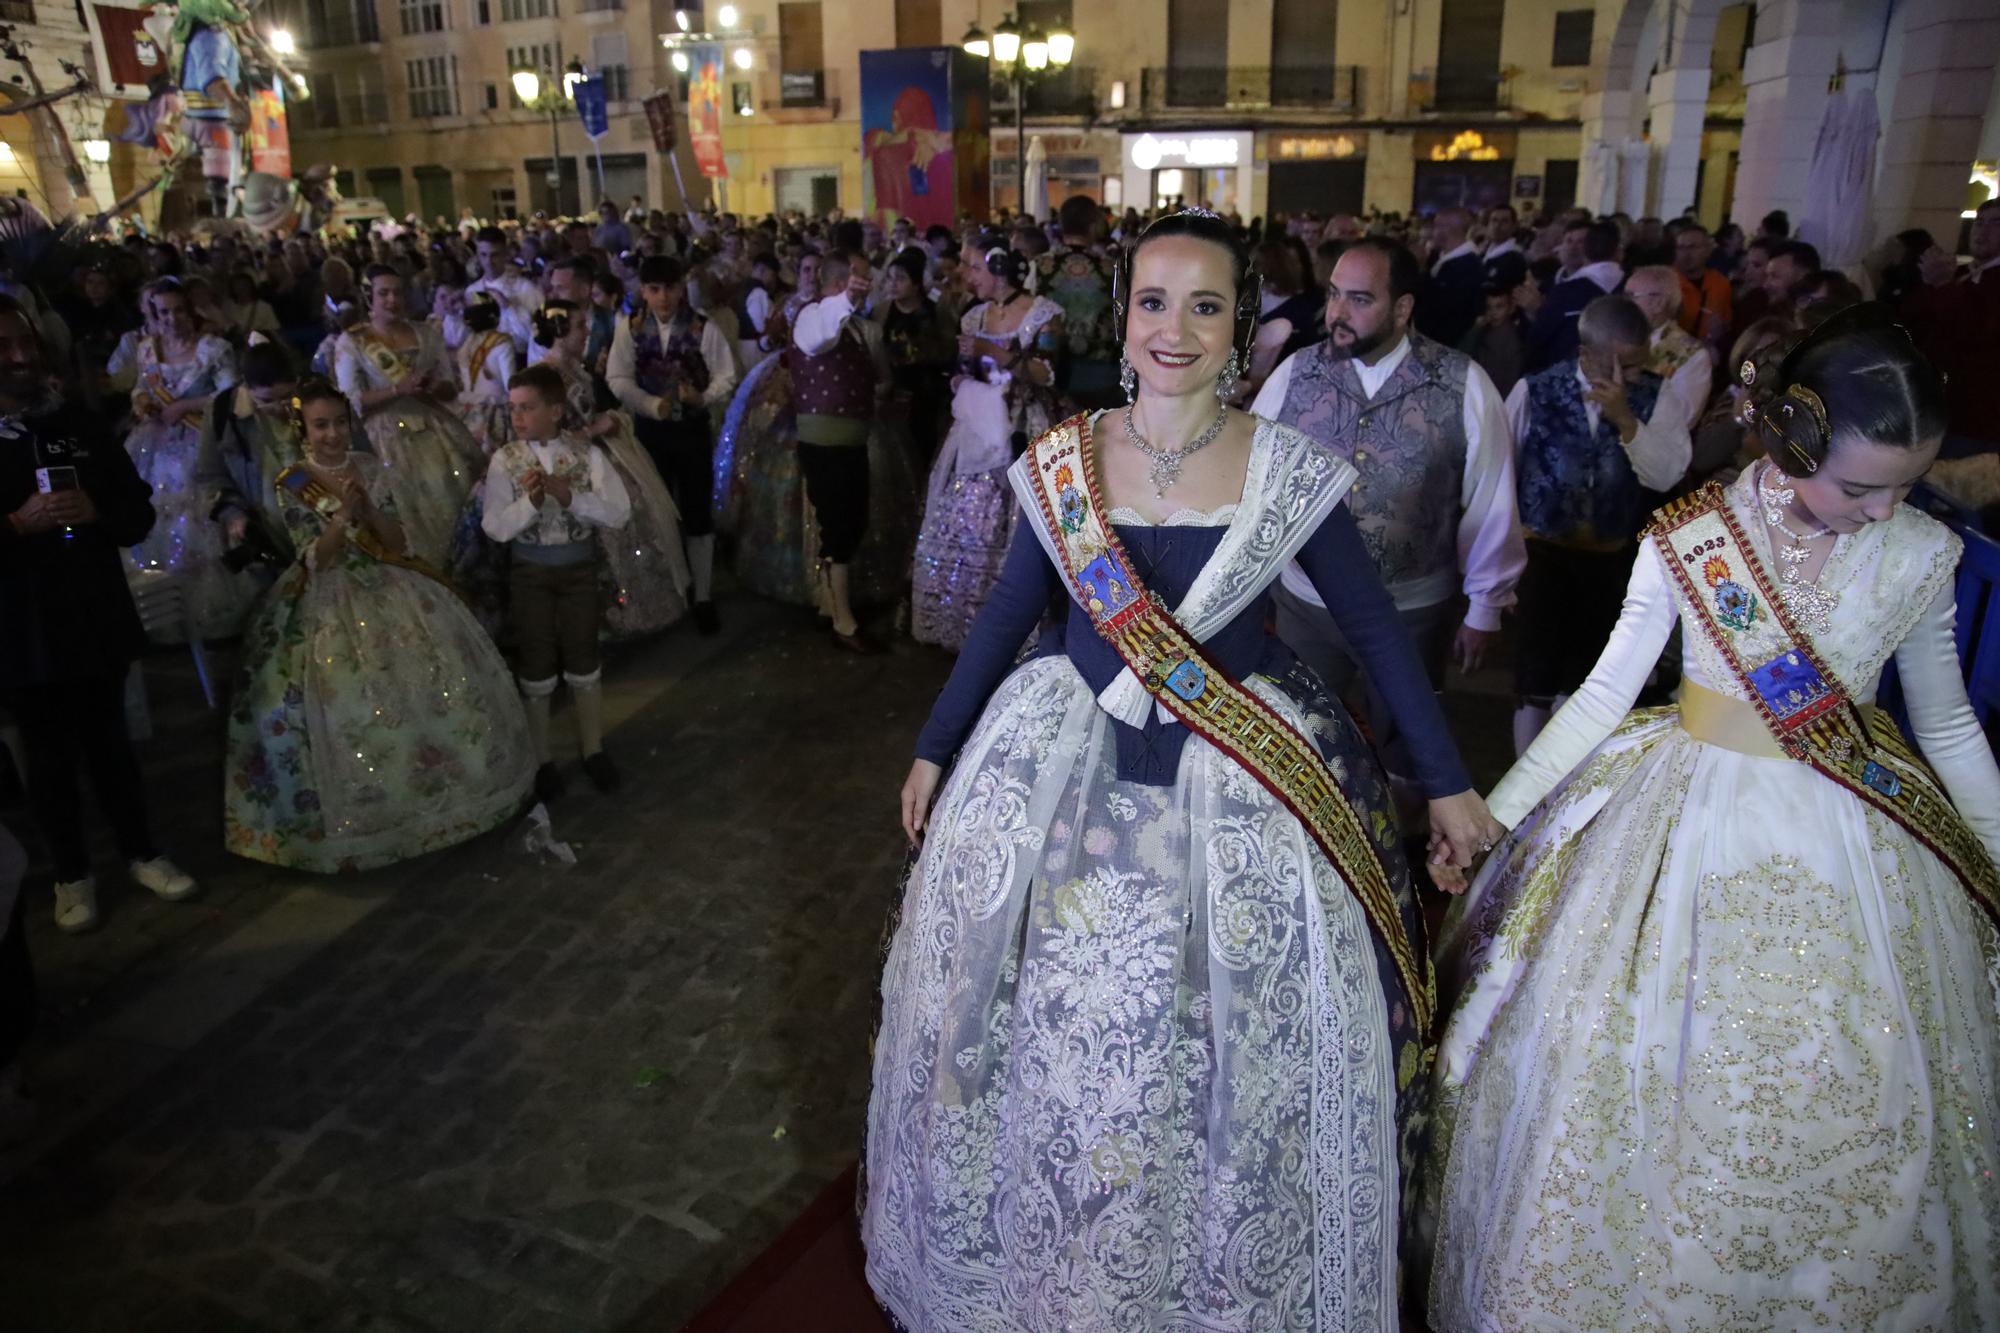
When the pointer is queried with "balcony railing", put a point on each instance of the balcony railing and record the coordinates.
(1250, 87)
(796, 94)
(1070, 91)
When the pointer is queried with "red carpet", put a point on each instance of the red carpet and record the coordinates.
(810, 1277)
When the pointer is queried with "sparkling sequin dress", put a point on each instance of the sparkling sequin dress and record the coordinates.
(432, 459)
(645, 561)
(185, 540)
(374, 719)
(1728, 1049)
(968, 511)
(760, 496)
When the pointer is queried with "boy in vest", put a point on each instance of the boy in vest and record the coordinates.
(1592, 463)
(549, 494)
(668, 367)
(837, 366)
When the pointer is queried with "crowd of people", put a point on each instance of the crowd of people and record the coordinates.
(1182, 494)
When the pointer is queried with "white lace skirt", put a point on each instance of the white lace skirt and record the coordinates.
(1135, 1069)
(1727, 1059)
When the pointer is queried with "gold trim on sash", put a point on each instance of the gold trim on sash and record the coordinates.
(1800, 702)
(1178, 672)
(322, 501)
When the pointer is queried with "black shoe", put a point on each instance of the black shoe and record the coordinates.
(705, 618)
(602, 772)
(549, 784)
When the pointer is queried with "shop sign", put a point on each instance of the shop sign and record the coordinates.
(1312, 147)
(1219, 150)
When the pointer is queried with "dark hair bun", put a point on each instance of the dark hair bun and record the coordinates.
(1010, 266)
(1857, 374)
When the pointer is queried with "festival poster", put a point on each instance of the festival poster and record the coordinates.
(270, 139)
(909, 162)
(705, 109)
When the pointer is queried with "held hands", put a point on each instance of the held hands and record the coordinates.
(687, 393)
(1462, 831)
(558, 487)
(919, 790)
(535, 485)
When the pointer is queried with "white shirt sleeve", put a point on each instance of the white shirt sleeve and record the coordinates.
(348, 374)
(1660, 450)
(1517, 415)
(1685, 392)
(1492, 553)
(720, 354)
(621, 372)
(1942, 719)
(758, 306)
(1270, 399)
(508, 512)
(1604, 699)
(605, 504)
(818, 325)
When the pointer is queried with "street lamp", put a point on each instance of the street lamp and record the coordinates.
(528, 86)
(97, 150)
(1018, 56)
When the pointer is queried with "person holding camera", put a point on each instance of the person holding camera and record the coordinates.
(72, 501)
(247, 439)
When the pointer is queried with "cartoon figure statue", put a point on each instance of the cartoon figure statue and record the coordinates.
(214, 110)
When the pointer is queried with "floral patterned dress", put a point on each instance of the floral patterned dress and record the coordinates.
(432, 459)
(374, 719)
(1727, 1054)
(968, 511)
(184, 540)
(645, 559)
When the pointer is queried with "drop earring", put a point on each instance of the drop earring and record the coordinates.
(1128, 379)
(1232, 371)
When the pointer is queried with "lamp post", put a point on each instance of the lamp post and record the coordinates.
(1020, 54)
(528, 82)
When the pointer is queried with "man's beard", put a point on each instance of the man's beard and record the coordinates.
(1361, 346)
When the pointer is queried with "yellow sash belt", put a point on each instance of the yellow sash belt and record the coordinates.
(1729, 723)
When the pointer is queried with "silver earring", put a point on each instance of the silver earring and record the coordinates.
(1232, 371)
(1128, 379)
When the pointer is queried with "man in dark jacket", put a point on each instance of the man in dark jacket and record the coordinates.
(1553, 336)
(1451, 299)
(70, 500)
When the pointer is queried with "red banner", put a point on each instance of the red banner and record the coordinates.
(127, 55)
(270, 140)
(660, 119)
(705, 110)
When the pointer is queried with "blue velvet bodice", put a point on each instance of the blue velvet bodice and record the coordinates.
(1168, 560)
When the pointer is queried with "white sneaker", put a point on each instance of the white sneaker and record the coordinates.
(76, 905)
(164, 878)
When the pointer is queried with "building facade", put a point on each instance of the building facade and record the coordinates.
(1251, 106)
(38, 147)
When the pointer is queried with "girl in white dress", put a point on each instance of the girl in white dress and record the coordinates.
(1727, 1056)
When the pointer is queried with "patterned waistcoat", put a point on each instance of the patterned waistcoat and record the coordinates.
(1577, 485)
(659, 366)
(1407, 442)
(555, 525)
(839, 382)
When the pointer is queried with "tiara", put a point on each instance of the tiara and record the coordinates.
(1196, 212)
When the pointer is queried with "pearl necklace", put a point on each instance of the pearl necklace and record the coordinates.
(1166, 469)
(1811, 603)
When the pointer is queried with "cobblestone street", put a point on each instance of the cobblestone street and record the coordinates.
(484, 1091)
(481, 1091)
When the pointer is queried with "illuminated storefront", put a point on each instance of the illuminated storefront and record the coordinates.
(1212, 169)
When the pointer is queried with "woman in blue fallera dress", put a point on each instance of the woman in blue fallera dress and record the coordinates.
(1150, 1055)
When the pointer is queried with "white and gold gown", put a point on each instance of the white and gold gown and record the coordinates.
(1727, 1052)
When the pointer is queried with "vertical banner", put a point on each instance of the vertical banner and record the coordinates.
(972, 132)
(660, 120)
(591, 107)
(270, 138)
(705, 109)
(913, 146)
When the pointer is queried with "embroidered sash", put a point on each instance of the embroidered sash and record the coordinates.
(1177, 672)
(153, 371)
(1799, 699)
(394, 367)
(322, 500)
(477, 363)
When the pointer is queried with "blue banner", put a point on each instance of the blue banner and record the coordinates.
(591, 108)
